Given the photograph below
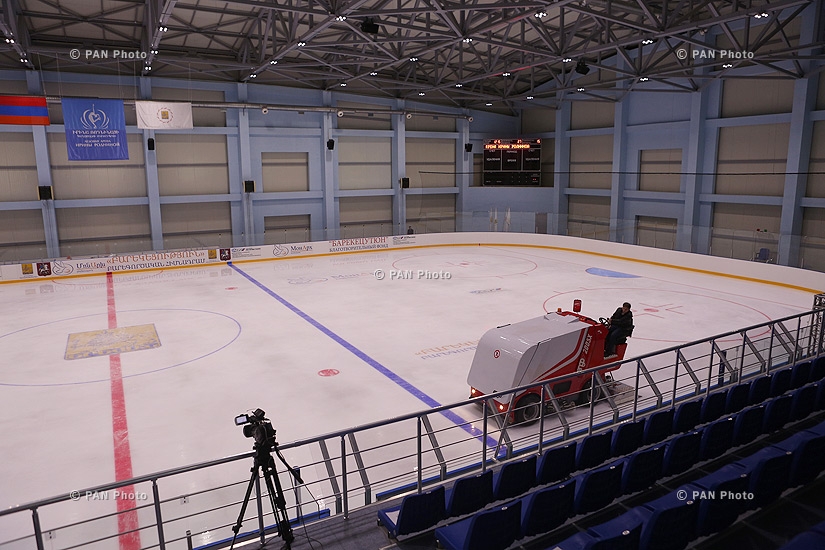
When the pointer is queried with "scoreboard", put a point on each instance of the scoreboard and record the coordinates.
(512, 162)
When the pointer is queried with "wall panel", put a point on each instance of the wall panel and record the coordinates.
(365, 216)
(660, 170)
(196, 224)
(103, 230)
(816, 177)
(432, 213)
(22, 236)
(752, 160)
(589, 217)
(284, 172)
(775, 95)
(18, 167)
(74, 179)
(287, 229)
(364, 162)
(192, 164)
(369, 117)
(591, 162)
(435, 158)
(592, 114)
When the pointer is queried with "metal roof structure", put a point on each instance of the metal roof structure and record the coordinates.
(484, 54)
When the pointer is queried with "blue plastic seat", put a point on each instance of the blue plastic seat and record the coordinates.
(493, 529)
(416, 513)
(556, 464)
(780, 382)
(627, 437)
(800, 374)
(681, 453)
(737, 398)
(818, 370)
(808, 450)
(621, 533)
(820, 397)
(715, 512)
(760, 390)
(748, 424)
(777, 413)
(469, 494)
(514, 478)
(769, 472)
(593, 450)
(642, 469)
(545, 509)
(717, 437)
(597, 488)
(687, 416)
(803, 401)
(713, 406)
(809, 540)
(658, 426)
(669, 523)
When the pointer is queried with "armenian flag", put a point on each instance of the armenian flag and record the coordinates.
(15, 109)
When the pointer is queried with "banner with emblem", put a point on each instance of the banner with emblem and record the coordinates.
(95, 129)
(160, 115)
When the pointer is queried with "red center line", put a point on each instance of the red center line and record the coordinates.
(127, 519)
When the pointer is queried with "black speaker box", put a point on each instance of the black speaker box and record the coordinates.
(45, 192)
(468, 147)
(405, 183)
(249, 186)
(330, 144)
(150, 144)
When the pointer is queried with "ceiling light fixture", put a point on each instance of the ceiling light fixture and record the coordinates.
(467, 40)
(529, 97)
(421, 93)
(566, 60)
(541, 14)
(579, 89)
(647, 41)
(459, 85)
(505, 74)
(273, 62)
(644, 79)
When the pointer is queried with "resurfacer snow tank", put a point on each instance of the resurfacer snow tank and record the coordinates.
(540, 349)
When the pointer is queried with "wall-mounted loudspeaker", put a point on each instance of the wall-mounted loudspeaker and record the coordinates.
(330, 144)
(249, 186)
(150, 144)
(45, 192)
(405, 183)
(468, 147)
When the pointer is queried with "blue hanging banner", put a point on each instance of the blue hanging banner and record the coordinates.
(95, 129)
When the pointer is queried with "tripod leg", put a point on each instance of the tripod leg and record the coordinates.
(237, 527)
(276, 497)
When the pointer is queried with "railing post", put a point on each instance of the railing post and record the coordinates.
(158, 517)
(541, 419)
(38, 534)
(418, 441)
(484, 436)
(344, 476)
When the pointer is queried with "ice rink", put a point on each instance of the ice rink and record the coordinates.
(107, 377)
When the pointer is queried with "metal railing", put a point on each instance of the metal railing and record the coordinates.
(197, 505)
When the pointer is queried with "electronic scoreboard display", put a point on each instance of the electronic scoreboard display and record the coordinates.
(512, 162)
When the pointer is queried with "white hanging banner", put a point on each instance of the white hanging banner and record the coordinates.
(159, 115)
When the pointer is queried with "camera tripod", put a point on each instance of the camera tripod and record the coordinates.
(266, 464)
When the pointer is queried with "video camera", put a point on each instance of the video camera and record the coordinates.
(258, 427)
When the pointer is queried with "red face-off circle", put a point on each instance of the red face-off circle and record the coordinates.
(328, 372)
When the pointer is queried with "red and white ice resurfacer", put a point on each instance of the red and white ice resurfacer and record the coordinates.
(539, 349)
